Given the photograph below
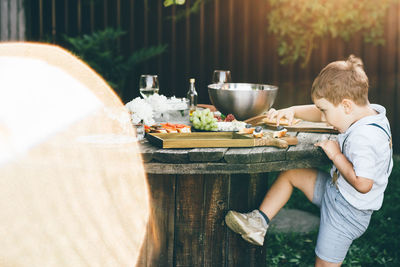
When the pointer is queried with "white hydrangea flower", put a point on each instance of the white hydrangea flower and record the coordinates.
(140, 111)
(159, 103)
(157, 107)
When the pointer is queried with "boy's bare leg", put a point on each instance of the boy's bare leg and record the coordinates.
(280, 191)
(321, 263)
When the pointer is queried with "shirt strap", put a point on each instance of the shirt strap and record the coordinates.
(383, 129)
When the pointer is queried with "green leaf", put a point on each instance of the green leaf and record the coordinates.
(173, 2)
(101, 51)
(292, 21)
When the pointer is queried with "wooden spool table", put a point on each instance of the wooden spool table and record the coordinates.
(192, 189)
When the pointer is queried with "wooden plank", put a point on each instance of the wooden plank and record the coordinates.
(242, 155)
(297, 126)
(261, 37)
(53, 21)
(118, 17)
(371, 67)
(207, 154)
(245, 40)
(216, 49)
(132, 25)
(258, 186)
(259, 154)
(305, 148)
(217, 139)
(4, 21)
(79, 16)
(187, 42)
(92, 16)
(66, 20)
(182, 40)
(172, 67)
(172, 155)
(230, 34)
(147, 150)
(215, 207)
(159, 243)
(21, 20)
(159, 31)
(202, 81)
(269, 154)
(41, 19)
(189, 235)
(105, 13)
(200, 139)
(12, 16)
(237, 24)
(238, 194)
(146, 27)
(316, 160)
(388, 66)
(251, 188)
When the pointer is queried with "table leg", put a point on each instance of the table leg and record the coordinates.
(187, 227)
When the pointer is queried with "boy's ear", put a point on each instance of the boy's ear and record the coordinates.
(347, 105)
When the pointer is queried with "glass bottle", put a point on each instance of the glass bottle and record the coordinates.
(192, 96)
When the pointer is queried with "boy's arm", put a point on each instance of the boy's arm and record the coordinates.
(307, 112)
(344, 166)
(304, 112)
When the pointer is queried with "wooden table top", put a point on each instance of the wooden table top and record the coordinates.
(235, 160)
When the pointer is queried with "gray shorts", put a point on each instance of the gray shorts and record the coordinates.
(340, 222)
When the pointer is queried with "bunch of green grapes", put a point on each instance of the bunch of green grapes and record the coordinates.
(204, 120)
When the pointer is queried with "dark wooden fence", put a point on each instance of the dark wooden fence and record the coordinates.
(223, 34)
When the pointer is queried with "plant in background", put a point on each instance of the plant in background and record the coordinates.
(193, 9)
(299, 25)
(101, 51)
(173, 2)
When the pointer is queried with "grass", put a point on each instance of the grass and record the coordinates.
(379, 246)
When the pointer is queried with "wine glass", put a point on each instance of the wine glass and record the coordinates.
(148, 85)
(222, 76)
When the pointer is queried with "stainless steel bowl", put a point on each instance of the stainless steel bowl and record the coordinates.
(243, 100)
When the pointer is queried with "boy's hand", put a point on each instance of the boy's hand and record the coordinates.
(330, 147)
(288, 113)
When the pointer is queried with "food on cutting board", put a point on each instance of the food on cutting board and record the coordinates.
(258, 132)
(282, 121)
(280, 132)
(221, 117)
(204, 120)
(230, 126)
(214, 121)
(248, 129)
(228, 123)
(167, 128)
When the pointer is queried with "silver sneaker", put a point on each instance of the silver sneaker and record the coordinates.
(251, 226)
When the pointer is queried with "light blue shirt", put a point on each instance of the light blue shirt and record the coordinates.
(369, 149)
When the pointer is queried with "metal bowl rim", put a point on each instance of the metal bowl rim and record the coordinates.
(270, 87)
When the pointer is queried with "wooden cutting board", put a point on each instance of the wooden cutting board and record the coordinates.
(302, 126)
(217, 139)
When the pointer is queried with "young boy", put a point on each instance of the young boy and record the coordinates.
(362, 162)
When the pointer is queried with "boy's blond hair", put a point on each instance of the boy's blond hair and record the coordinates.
(342, 80)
